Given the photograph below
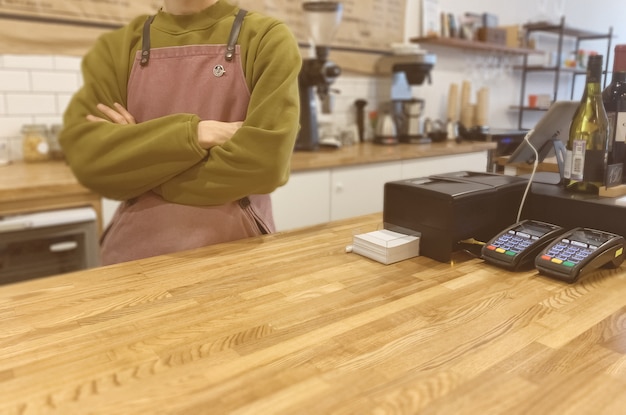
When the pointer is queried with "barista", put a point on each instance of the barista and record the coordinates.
(189, 117)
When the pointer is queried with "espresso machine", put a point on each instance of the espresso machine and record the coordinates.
(318, 73)
(398, 107)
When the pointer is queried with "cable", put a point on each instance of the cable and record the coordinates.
(532, 175)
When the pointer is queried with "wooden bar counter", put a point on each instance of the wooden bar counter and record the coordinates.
(49, 185)
(292, 324)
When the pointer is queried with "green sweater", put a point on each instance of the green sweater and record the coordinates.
(123, 161)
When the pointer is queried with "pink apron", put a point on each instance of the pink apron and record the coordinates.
(213, 87)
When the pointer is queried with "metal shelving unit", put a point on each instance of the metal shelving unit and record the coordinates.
(562, 31)
(474, 45)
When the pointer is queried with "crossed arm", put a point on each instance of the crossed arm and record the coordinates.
(210, 132)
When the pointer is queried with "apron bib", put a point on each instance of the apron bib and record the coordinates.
(210, 83)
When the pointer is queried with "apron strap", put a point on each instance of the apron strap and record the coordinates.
(230, 47)
(145, 41)
(234, 34)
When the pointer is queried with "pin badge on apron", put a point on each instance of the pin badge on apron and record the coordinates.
(219, 71)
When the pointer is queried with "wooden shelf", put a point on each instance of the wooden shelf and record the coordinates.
(526, 108)
(544, 68)
(474, 45)
(566, 30)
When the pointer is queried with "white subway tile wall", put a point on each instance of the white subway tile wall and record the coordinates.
(347, 89)
(35, 89)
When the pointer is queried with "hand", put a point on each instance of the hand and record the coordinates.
(214, 133)
(118, 114)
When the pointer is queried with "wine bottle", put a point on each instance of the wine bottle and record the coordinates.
(614, 99)
(587, 146)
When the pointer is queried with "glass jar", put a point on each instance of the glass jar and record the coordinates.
(56, 152)
(35, 145)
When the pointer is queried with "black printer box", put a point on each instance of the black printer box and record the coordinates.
(448, 208)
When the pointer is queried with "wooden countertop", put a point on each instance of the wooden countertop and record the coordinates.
(28, 187)
(23, 181)
(50, 185)
(291, 324)
(366, 153)
(548, 165)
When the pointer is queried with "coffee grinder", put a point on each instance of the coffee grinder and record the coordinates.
(399, 105)
(317, 73)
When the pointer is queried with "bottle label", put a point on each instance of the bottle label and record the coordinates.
(577, 167)
(567, 165)
(612, 118)
(620, 127)
(617, 126)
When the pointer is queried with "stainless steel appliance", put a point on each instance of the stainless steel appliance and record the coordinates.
(40, 244)
(318, 73)
(406, 71)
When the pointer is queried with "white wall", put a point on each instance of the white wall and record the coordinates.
(456, 65)
(36, 89)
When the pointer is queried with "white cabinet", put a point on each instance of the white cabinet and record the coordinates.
(109, 207)
(303, 201)
(358, 190)
(319, 196)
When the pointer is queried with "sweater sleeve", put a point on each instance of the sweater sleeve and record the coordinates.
(146, 155)
(256, 160)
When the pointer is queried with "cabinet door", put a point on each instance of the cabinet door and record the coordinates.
(108, 210)
(359, 190)
(444, 164)
(303, 201)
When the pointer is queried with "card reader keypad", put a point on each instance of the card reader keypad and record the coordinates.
(568, 253)
(512, 242)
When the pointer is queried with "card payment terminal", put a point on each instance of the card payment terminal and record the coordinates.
(578, 252)
(516, 246)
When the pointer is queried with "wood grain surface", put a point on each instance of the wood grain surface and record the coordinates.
(32, 187)
(549, 165)
(292, 324)
(21, 180)
(49, 185)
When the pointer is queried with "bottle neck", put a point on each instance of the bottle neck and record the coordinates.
(594, 74)
(619, 76)
(593, 88)
(619, 59)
